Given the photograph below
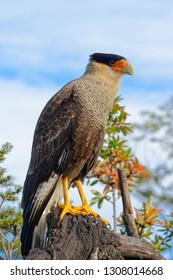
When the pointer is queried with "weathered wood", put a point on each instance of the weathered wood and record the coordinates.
(127, 208)
(86, 237)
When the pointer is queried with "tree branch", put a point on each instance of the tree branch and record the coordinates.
(127, 208)
(2, 238)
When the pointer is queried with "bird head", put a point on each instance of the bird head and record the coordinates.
(116, 63)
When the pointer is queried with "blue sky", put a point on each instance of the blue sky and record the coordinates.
(45, 44)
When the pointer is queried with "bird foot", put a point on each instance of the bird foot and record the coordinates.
(86, 208)
(66, 208)
(88, 211)
(78, 210)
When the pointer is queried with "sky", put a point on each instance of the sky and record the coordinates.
(45, 44)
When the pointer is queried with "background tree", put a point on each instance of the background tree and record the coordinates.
(10, 211)
(151, 222)
(155, 132)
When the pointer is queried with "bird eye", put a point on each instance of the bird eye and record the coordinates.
(111, 62)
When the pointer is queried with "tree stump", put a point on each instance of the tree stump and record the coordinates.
(88, 238)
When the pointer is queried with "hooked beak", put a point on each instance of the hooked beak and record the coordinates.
(129, 70)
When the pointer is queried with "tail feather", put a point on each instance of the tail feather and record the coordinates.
(40, 232)
(34, 228)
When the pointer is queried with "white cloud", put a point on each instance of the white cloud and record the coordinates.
(60, 35)
(20, 107)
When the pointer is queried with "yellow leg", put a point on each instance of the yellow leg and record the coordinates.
(85, 206)
(66, 207)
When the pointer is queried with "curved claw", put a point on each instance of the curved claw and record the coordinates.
(86, 208)
(104, 221)
(88, 211)
(66, 208)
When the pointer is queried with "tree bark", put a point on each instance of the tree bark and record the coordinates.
(127, 207)
(86, 237)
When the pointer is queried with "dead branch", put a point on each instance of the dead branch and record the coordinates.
(127, 208)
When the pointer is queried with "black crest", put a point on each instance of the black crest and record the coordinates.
(106, 58)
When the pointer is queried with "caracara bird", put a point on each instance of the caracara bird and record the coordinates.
(68, 138)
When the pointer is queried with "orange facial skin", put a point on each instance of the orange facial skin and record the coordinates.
(120, 65)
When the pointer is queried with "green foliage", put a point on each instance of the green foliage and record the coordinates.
(99, 198)
(116, 154)
(157, 230)
(10, 211)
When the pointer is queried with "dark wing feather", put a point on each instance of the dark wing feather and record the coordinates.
(52, 144)
(51, 151)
